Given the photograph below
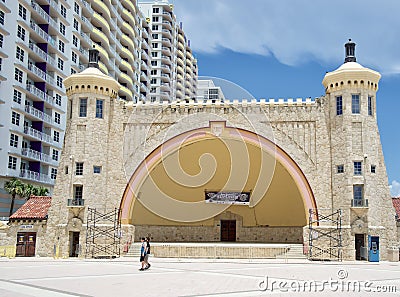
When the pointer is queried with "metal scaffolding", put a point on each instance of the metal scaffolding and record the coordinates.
(325, 234)
(103, 234)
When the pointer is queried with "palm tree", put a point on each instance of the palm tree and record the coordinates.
(13, 187)
(41, 191)
(27, 191)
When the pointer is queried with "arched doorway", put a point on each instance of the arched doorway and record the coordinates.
(166, 194)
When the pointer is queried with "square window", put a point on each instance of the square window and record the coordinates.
(340, 169)
(17, 97)
(76, 25)
(19, 54)
(22, 11)
(357, 168)
(58, 99)
(61, 46)
(74, 57)
(18, 74)
(62, 28)
(12, 162)
(79, 168)
(59, 81)
(20, 32)
(53, 173)
(97, 169)
(57, 117)
(15, 117)
(75, 40)
(56, 136)
(373, 168)
(55, 155)
(63, 11)
(14, 140)
(60, 64)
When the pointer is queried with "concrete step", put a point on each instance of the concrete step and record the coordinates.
(295, 251)
(134, 250)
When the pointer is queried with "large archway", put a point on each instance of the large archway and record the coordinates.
(166, 194)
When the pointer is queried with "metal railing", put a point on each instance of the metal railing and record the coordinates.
(359, 203)
(39, 114)
(36, 176)
(38, 134)
(76, 202)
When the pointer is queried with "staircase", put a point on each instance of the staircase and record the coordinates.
(295, 251)
(134, 250)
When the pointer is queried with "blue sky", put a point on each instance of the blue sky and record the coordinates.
(282, 49)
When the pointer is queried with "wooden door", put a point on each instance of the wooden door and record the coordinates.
(74, 252)
(359, 244)
(228, 230)
(26, 243)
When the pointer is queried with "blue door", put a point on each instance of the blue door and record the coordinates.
(373, 248)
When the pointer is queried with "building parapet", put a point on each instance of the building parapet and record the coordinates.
(235, 103)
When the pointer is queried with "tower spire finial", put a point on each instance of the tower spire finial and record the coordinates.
(350, 51)
(93, 58)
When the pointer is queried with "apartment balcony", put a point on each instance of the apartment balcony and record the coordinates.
(36, 176)
(167, 24)
(181, 54)
(166, 42)
(46, 37)
(130, 5)
(38, 156)
(103, 67)
(128, 40)
(85, 37)
(86, 23)
(127, 52)
(167, 33)
(167, 16)
(166, 68)
(144, 88)
(41, 95)
(362, 203)
(166, 59)
(38, 72)
(99, 19)
(180, 70)
(166, 50)
(145, 66)
(145, 56)
(38, 135)
(75, 202)
(103, 53)
(86, 6)
(101, 36)
(181, 38)
(84, 51)
(126, 92)
(128, 28)
(126, 79)
(38, 114)
(101, 7)
(127, 16)
(43, 14)
(42, 54)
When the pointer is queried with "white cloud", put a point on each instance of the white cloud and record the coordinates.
(296, 31)
(395, 189)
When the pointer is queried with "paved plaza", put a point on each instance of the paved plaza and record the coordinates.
(44, 277)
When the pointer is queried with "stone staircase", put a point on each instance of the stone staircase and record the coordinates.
(295, 251)
(196, 250)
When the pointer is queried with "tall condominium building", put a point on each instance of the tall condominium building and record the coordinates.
(206, 90)
(43, 41)
(35, 52)
(174, 69)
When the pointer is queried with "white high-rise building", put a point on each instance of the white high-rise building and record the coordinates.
(35, 49)
(44, 41)
(174, 69)
(206, 90)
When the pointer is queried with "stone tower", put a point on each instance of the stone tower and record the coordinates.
(89, 156)
(359, 183)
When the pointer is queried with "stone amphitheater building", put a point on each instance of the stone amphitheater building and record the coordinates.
(289, 171)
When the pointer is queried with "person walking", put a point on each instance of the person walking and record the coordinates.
(143, 250)
(146, 257)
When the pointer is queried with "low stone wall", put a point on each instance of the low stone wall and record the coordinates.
(212, 234)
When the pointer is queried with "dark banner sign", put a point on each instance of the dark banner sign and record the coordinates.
(241, 198)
